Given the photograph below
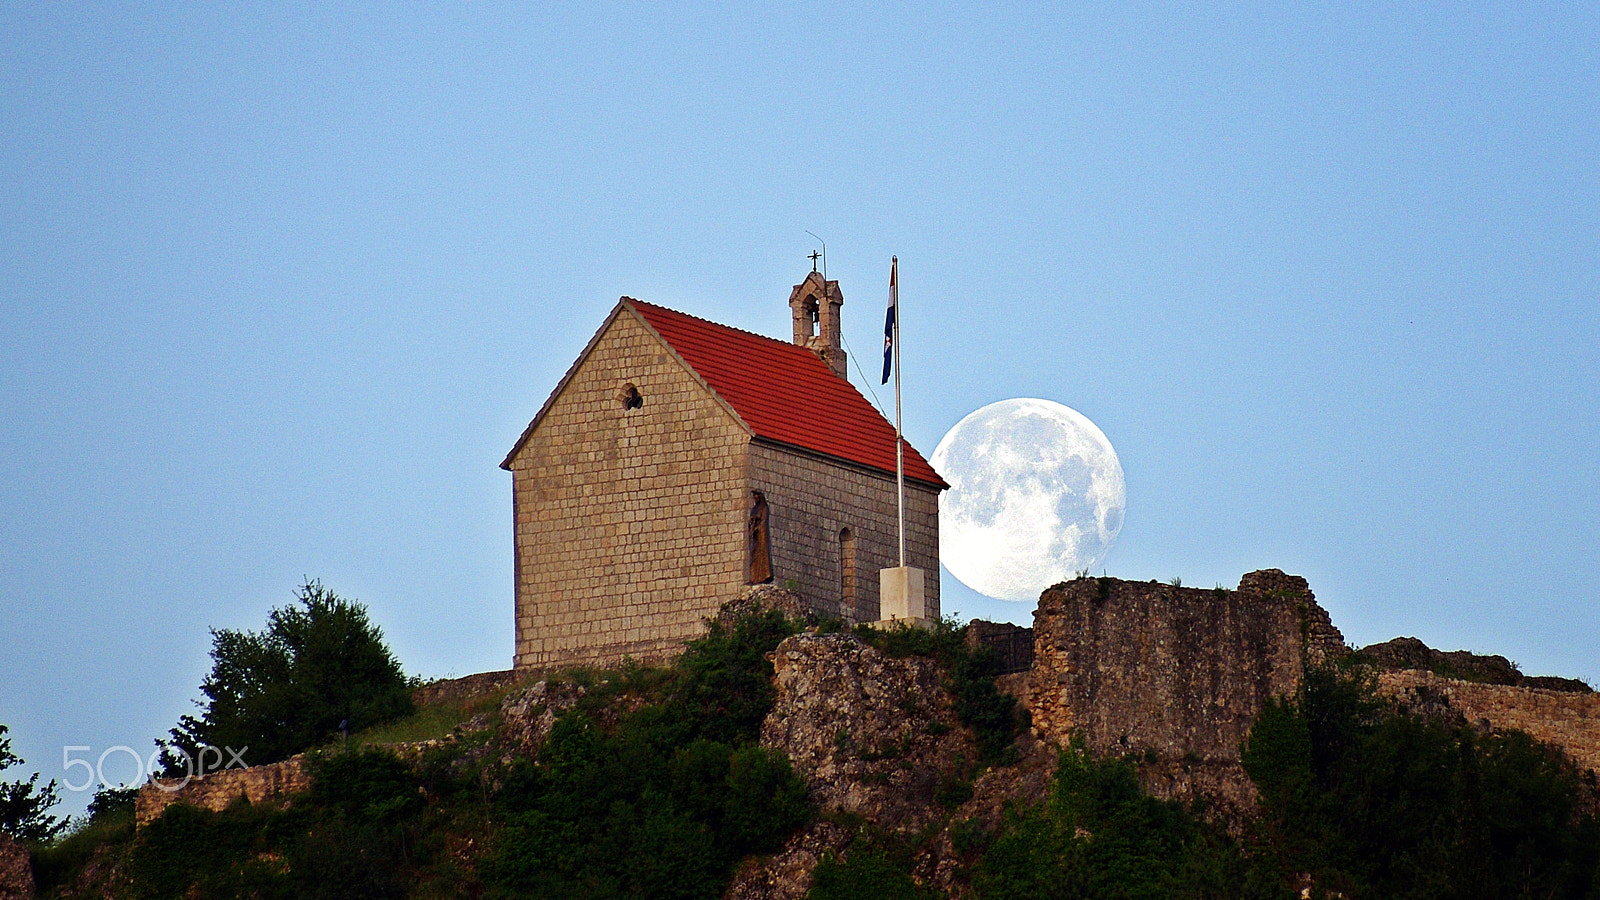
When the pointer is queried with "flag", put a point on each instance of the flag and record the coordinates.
(888, 318)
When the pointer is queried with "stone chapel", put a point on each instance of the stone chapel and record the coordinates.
(679, 460)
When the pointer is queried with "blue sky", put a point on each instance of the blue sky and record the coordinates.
(279, 287)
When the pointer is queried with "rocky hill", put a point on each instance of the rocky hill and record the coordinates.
(1158, 741)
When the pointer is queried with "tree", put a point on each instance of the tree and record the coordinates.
(318, 666)
(23, 808)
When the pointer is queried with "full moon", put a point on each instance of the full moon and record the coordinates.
(1036, 496)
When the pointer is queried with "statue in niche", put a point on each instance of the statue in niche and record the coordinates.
(758, 540)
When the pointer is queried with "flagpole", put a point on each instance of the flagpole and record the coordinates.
(899, 439)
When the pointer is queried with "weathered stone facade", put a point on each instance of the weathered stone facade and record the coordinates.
(219, 790)
(1174, 676)
(1568, 719)
(468, 687)
(834, 526)
(629, 522)
(1012, 645)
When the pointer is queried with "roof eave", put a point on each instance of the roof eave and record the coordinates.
(693, 372)
(939, 485)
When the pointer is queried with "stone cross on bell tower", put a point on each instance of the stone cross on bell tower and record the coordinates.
(815, 304)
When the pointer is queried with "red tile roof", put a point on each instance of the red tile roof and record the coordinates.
(784, 392)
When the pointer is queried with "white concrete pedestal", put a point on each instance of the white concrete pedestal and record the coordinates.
(900, 597)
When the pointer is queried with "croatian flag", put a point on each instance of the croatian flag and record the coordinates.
(888, 317)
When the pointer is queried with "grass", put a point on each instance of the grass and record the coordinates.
(434, 721)
(58, 863)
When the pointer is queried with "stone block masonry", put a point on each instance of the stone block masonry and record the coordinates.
(834, 527)
(629, 519)
(631, 494)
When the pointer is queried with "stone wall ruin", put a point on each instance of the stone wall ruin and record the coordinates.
(1173, 676)
(218, 790)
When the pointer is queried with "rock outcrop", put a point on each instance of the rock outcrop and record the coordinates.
(528, 715)
(877, 742)
(871, 735)
(16, 870)
(756, 598)
(1403, 653)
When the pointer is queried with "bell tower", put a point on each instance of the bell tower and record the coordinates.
(814, 305)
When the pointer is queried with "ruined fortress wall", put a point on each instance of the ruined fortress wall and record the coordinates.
(1182, 672)
(1173, 676)
(812, 500)
(629, 522)
(1566, 719)
(220, 789)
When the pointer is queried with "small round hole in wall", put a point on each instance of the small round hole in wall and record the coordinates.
(630, 397)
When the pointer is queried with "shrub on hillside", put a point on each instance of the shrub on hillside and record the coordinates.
(662, 801)
(1376, 802)
(320, 663)
(1099, 835)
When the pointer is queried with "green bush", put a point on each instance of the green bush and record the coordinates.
(1099, 836)
(1375, 802)
(866, 871)
(271, 694)
(305, 851)
(722, 684)
(62, 860)
(369, 786)
(661, 801)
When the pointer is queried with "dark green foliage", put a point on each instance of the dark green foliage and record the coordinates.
(662, 802)
(1379, 803)
(369, 787)
(24, 806)
(353, 837)
(190, 852)
(723, 683)
(107, 829)
(105, 833)
(113, 803)
(764, 800)
(1098, 835)
(274, 693)
(995, 718)
(952, 791)
(865, 871)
